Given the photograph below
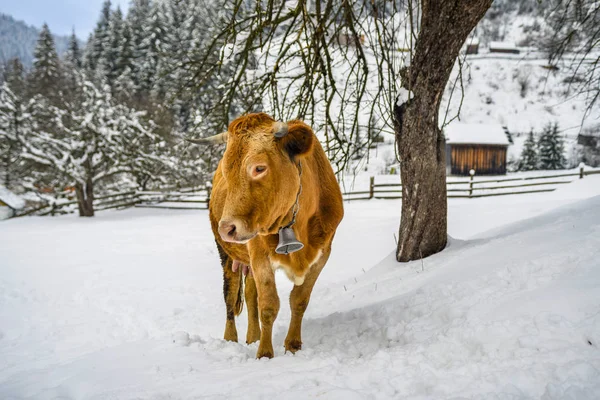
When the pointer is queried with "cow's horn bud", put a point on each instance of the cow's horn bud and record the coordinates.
(216, 139)
(280, 129)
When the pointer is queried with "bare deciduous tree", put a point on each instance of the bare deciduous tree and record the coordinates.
(444, 27)
(341, 65)
(575, 39)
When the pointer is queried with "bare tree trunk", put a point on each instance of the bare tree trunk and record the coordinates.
(444, 27)
(85, 198)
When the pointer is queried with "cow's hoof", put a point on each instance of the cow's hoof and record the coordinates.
(230, 331)
(230, 338)
(264, 353)
(293, 345)
(253, 335)
(250, 339)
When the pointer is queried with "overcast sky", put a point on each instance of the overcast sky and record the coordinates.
(60, 15)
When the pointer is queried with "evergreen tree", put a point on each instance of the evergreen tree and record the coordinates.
(99, 39)
(551, 148)
(45, 77)
(14, 75)
(529, 157)
(108, 63)
(177, 49)
(73, 53)
(72, 64)
(14, 123)
(125, 52)
(88, 61)
(148, 61)
(136, 21)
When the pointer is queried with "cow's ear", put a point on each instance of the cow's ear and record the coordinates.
(299, 139)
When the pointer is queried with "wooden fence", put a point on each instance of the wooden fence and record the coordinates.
(471, 187)
(196, 198)
(193, 198)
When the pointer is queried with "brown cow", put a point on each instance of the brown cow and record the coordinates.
(271, 174)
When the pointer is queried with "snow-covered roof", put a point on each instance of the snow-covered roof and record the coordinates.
(11, 199)
(491, 134)
(591, 130)
(472, 41)
(502, 46)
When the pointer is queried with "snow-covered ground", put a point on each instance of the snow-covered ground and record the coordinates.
(128, 305)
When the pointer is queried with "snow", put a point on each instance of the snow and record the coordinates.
(473, 41)
(129, 305)
(12, 200)
(457, 133)
(502, 46)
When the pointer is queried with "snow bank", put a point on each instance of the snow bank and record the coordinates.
(11, 199)
(129, 305)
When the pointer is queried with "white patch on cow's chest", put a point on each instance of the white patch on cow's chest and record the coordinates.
(297, 280)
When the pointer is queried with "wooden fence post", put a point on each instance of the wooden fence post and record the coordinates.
(208, 187)
(372, 187)
(472, 174)
(581, 174)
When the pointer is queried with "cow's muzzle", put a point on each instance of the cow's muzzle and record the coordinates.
(233, 230)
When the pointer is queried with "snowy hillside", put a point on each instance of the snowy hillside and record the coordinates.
(17, 39)
(129, 305)
(515, 91)
(519, 92)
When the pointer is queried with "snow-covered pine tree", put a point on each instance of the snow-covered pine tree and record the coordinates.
(45, 77)
(177, 51)
(72, 57)
(14, 122)
(14, 75)
(87, 58)
(98, 40)
(551, 148)
(529, 158)
(71, 65)
(148, 61)
(124, 84)
(108, 64)
(136, 20)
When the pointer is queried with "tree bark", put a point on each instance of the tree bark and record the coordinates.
(85, 198)
(444, 27)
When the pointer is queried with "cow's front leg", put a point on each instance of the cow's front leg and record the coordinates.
(299, 299)
(268, 305)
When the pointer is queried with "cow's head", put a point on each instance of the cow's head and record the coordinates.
(260, 168)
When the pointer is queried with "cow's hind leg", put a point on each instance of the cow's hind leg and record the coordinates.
(253, 333)
(232, 293)
(299, 299)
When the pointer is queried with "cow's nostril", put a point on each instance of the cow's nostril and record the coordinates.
(228, 229)
(231, 231)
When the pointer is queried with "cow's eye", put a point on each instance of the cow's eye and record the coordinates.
(258, 170)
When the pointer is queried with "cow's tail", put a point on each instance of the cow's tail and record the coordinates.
(233, 285)
(239, 303)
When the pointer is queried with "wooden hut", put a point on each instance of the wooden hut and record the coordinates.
(481, 147)
(10, 203)
(472, 46)
(348, 39)
(503, 47)
(589, 142)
